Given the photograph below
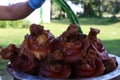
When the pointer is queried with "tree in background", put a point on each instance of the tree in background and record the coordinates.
(98, 7)
(111, 7)
(115, 7)
(93, 8)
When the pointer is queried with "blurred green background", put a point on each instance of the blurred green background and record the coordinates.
(109, 34)
(107, 20)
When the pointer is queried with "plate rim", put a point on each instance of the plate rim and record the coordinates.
(111, 75)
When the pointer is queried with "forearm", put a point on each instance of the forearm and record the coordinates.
(15, 11)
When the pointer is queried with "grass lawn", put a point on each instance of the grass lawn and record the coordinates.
(110, 31)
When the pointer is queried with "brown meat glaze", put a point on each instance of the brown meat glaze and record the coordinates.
(70, 55)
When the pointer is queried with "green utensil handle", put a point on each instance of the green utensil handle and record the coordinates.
(72, 17)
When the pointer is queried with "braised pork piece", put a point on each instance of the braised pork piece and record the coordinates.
(70, 55)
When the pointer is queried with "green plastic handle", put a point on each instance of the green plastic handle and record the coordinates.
(72, 17)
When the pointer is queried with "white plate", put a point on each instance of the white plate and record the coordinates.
(114, 75)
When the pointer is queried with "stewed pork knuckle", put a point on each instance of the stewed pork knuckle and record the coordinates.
(70, 55)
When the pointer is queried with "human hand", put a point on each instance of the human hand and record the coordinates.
(34, 4)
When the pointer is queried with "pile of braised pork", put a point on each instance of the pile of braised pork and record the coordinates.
(71, 55)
